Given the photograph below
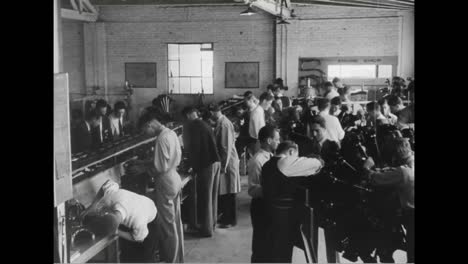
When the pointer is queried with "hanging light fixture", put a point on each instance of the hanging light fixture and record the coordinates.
(282, 21)
(250, 11)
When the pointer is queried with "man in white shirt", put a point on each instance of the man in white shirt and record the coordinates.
(168, 185)
(117, 119)
(385, 109)
(284, 176)
(257, 112)
(269, 138)
(330, 91)
(133, 212)
(337, 83)
(102, 134)
(374, 115)
(332, 124)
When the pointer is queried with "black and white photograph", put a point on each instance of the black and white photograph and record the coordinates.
(233, 131)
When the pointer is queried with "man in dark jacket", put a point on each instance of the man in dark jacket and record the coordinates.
(283, 175)
(82, 135)
(200, 145)
(102, 133)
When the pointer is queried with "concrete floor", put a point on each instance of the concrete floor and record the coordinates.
(233, 245)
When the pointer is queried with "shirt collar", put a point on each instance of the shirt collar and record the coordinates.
(88, 125)
(265, 152)
(220, 119)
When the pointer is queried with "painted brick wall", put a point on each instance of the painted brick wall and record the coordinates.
(141, 34)
(73, 57)
(335, 32)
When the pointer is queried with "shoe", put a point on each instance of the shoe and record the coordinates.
(205, 235)
(225, 225)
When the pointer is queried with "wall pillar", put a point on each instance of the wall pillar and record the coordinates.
(95, 53)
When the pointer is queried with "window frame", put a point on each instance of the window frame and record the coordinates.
(190, 77)
(376, 72)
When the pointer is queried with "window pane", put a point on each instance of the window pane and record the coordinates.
(173, 68)
(207, 68)
(207, 46)
(173, 52)
(196, 85)
(190, 60)
(207, 85)
(184, 85)
(174, 85)
(358, 71)
(187, 63)
(207, 55)
(352, 71)
(385, 71)
(333, 71)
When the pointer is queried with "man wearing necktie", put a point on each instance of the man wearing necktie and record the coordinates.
(102, 134)
(116, 119)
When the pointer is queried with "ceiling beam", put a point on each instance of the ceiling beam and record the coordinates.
(385, 2)
(366, 2)
(273, 7)
(75, 15)
(356, 4)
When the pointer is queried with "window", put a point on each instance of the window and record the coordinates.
(190, 68)
(360, 71)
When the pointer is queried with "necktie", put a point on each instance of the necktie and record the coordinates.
(120, 127)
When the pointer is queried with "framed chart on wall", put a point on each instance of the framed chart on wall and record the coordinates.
(141, 74)
(242, 75)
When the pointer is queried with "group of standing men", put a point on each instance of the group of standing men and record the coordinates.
(213, 157)
(276, 173)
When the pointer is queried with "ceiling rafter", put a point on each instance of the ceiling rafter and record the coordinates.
(357, 3)
(82, 10)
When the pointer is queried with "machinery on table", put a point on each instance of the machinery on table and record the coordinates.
(362, 220)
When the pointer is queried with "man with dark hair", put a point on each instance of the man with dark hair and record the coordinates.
(82, 136)
(269, 138)
(270, 89)
(400, 174)
(203, 157)
(284, 175)
(337, 83)
(118, 127)
(229, 181)
(385, 109)
(330, 91)
(257, 113)
(318, 134)
(335, 108)
(374, 115)
(395, 103)
(323, 147)
(332, 124)
(345, 93)
(102, 134)
(168, 185)
(405, 114)
(265, 102)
